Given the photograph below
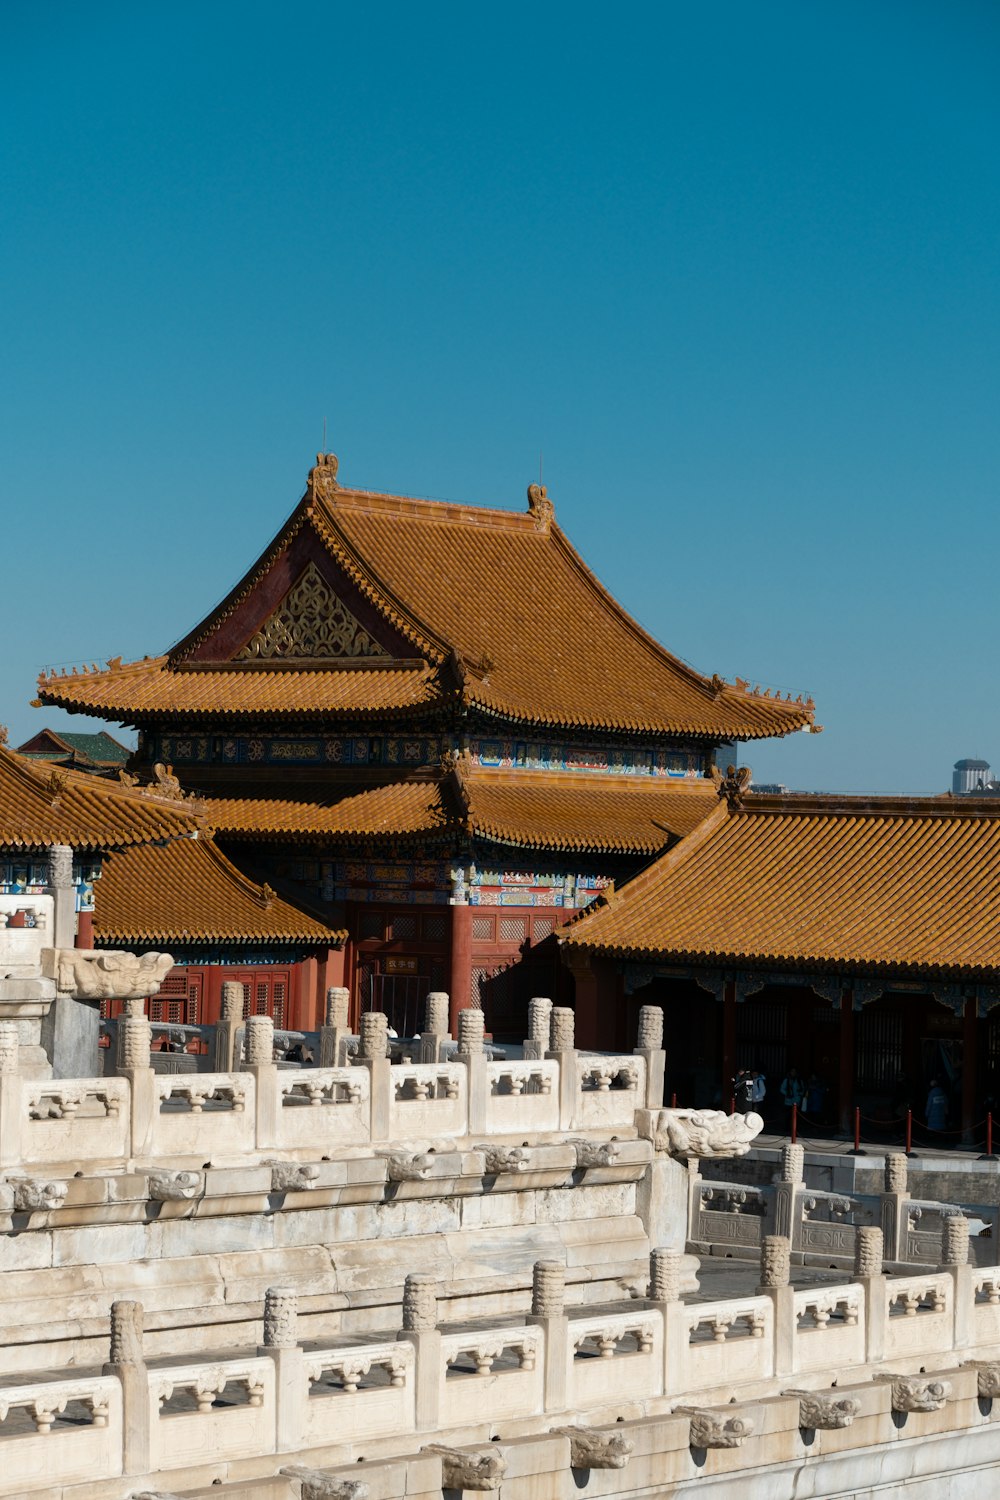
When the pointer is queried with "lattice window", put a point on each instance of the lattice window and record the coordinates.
(261, 998)
(435, 929)
(404, 926)
(278, 994)
(479, 979)
(542, 927)
(482, 929)
(879, 1049)
(512, 929)
(311, 621)
(372, 924)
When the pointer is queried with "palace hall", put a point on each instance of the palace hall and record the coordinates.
(856, 939)
(421, 737)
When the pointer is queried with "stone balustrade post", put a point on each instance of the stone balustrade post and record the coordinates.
(127, 1363)
(775, 1270)
(421, 1330)
(62, 888)
(649, 1046)
(955, 1258)
(787, 1189)
(665, 1273)
(895, 1213)
(536, 1043)
(868, 1254)
(548, 1312)
(226, 1027)
(281, 1345)
(134, 1039)
(258, 1048)
(11, 1149)
(335, 1031)
(562, 1049)
(471, 1030)
(435, 1029)
(373, 1045)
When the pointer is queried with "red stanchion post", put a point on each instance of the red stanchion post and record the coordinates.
(857, 1127)
(795, 1122)
(989, 1134)
(909, 1132)
(732, 1104)
(673, 1101)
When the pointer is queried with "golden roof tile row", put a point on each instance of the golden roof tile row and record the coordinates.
(884, 883)
(190, 893)
(533, 810)
(42, 804)
(150, 689)
(504, 614)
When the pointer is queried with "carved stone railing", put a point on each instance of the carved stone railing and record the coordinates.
(60, 1432)
(365, 1391)
(214, 1410)
(506, 1363)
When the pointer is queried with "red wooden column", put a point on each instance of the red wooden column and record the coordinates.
(84, 929)
(970, 1064)
(587, 1003)
(728, 1040)
(460, 976)
(845, 1084)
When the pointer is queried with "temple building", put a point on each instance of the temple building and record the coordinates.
(432, 727)
(856, 939)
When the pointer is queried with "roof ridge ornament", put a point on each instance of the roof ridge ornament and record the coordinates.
(733, 785)
(540, 507)
(322, 481)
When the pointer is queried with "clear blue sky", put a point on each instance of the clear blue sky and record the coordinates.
(732, 267)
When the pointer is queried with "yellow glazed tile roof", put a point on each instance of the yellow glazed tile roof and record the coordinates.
(150, 689)
(42, 804)
(906, 884)
(504, 614)
(189, 892)
(535, 810)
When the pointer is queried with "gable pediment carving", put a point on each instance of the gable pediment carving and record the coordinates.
(312, 622)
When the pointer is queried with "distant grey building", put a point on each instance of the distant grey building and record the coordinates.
(970, 776)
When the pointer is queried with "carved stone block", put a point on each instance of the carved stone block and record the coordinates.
(281, 1315)
(33, 1196)
(792, 1166)
(408, 1166)
(476, 1469)
(233, 1001)
(589, 1448)
(775, 1260)
(562, 1029)
(315, 1484)
(819, 1411)
(988, 1372)
(419, 1302)
(471, 1030)
(506, 1159)
(175, 1187)
(895, 1172)
(955, 1241)
(373, 1034)
(259, 1042)
(695, 1133)
(916, 1392)
(714, 1429)
(126, 1333)
(665, 1272)
(540, 1023)
(10, 1046)
(293, 1176)
(436, 1013)
(650, 1037)
(338, 1002)
(868, 1251)
(548, 1288)
(595, 1154)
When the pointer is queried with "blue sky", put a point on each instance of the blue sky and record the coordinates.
(732, 268)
